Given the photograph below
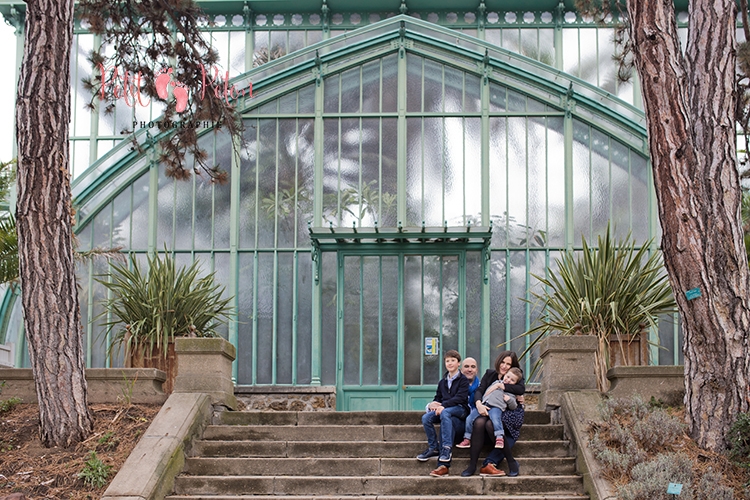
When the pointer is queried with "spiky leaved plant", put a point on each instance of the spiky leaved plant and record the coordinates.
(149, 308)
(612, 292)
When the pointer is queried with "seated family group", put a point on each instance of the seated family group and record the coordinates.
(491, 408)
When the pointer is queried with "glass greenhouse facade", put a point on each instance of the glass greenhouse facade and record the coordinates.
(407, 171)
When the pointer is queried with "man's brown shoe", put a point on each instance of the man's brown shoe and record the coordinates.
(440, 471)
(491, 470)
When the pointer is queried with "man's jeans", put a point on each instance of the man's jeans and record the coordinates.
(447, 431)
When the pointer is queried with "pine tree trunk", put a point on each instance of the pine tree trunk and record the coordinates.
(52, 316)
(689, 103)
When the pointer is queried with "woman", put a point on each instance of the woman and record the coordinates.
(512, 421)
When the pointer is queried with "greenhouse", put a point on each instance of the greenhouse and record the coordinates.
(406, 173)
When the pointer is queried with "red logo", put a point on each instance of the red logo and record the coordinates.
(126, 85)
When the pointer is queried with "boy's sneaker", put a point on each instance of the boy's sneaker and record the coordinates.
(464, 444)
(445, 458)
(427, 454)
(499, 443)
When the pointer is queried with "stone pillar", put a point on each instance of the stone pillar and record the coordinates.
(568, 364)
(204, 365)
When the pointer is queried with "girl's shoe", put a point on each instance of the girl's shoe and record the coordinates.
(499, 443)
(464, 444)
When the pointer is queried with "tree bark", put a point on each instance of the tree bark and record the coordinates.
(689, 103)
(52, 317)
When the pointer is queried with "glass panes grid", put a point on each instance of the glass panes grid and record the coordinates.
(585, 50)
(270, 271)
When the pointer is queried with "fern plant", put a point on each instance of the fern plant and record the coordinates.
(149, 308)
(613, 291)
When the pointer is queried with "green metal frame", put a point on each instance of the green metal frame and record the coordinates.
(566, 96)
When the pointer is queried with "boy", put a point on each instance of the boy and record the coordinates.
(451, 400)
(497, 401)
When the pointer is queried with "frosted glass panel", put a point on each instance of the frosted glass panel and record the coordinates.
(264, 307)
(413, 321)
(555, 182)
(433, 86)
(454, 83)
(304, 318)
(581, 182)
(352, 324)
(245, 314)
(414, 158)
(537, 180)
(413, 83)
(601, 188)
(438, 169)
(285, 353)
(389, 277)
(473, 169)
(350, 91)
(248, 185)
(287, 195)
(371, 327)
(499, 180)
(517, 182)
(371, 90)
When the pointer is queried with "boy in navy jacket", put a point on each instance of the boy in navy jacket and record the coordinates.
(451, 400)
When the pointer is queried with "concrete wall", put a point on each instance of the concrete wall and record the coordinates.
(105, 385)
(666, 383)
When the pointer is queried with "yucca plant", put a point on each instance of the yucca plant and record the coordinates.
(150, 308)
(613, 292)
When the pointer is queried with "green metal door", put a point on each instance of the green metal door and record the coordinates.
(398, 313)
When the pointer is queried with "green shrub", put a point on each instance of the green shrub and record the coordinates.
(651, 479)
(739, 440)
(8, 404)
(657, 430)
(710, 488)
(95, 473)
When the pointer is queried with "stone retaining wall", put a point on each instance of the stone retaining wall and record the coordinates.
(105, 385)
(284, 398)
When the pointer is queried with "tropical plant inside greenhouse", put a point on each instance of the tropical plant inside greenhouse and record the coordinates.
(148, 308)
(614, 292)
(8, 234)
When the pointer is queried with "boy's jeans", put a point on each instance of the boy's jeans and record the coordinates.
(470, 423)
(429, 420)
(496, 415)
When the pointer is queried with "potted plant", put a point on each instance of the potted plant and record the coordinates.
(147, 309)
(614, 292)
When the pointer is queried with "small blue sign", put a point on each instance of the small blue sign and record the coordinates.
(674, 488)
(693, 293)
(430, 346)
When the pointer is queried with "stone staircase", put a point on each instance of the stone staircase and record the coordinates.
(363, 455)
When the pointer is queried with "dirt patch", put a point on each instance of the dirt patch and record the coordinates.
(28, 467)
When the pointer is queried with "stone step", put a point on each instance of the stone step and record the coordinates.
(356, 466)
(373, 497)
(342, 449)
(529, 432)
(343, 418)
(310, 486)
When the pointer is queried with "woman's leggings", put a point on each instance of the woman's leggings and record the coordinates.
(483, 428)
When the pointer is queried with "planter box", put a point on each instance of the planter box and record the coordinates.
(635, 350)
(205, 365)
